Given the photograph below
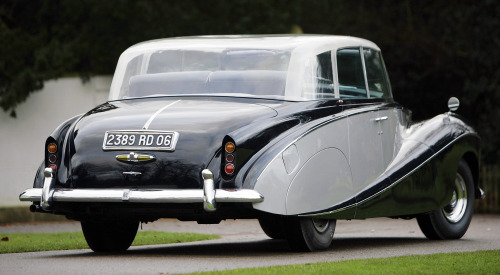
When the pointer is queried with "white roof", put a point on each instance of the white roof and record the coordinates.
(301, 48)
(301, 42)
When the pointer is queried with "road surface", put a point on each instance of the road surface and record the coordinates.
(243, 244)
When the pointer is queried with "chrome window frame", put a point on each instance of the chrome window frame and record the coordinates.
(365, 76)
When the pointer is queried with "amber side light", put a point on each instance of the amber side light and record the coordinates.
(230, 147)
(52, 148)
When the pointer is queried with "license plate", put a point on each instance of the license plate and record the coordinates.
(140, 140)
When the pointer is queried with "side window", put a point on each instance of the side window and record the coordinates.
(318, 81)
(351, 76)
(378, 83)
(133, 68)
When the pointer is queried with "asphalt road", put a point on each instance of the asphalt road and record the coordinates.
(243, 244)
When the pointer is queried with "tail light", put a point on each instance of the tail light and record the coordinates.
(52, 148)
(230, 147)
(229, 159)
(51, 157)
(229, 168)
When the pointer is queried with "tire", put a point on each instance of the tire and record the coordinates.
(308, 234)
(273, 226)
(452, 221)
(109, 236)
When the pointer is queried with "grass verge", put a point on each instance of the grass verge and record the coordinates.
(480, 262)
(20, 242)
(23, 214)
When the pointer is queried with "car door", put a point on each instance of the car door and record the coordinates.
(365, 144)
(378, 86)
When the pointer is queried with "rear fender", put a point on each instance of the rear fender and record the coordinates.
(309, 173)
(58, 136)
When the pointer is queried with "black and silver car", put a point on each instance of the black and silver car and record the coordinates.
(295, 131)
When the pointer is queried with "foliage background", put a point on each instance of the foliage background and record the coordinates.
(432, 49)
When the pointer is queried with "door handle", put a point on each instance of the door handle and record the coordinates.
(378, 119)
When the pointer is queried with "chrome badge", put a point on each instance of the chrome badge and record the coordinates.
(134, 157)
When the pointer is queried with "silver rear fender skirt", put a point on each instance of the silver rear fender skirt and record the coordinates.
(209, 196)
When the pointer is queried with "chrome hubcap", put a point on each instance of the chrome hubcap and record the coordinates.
(455, 209)
(321, 225)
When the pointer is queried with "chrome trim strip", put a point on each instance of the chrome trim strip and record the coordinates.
(365, 74)
(132, 173)
(329, 212)
(146, 126)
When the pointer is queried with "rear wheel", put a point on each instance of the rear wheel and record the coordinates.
(309, 234)
(273, 226)
(452, 221)
(109, 236)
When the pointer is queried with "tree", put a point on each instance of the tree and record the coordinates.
(433, 49)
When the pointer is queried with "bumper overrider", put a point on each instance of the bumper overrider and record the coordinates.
(209, 196)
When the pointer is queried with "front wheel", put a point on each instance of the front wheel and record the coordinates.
(109, 236)
(452, 221)
(309, 234)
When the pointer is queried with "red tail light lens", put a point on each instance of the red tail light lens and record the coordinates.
(229, 168)
(230, 158)
(54, 167)
(52, 158)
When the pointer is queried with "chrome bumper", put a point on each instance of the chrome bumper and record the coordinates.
(209, 196)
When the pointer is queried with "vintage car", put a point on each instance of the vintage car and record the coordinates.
(296, 131)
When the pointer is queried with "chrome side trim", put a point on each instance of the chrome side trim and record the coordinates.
(208, 195)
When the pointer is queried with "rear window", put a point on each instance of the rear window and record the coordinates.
(251, 72)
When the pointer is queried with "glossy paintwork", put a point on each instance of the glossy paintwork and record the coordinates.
(198, 142)
(422, 158)
(419, 178)
(331, 158)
